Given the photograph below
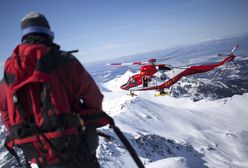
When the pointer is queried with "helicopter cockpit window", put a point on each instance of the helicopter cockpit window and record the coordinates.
(163, 77)
(132, 81)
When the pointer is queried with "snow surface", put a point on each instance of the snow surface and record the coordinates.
(175, 162)
(170, 132)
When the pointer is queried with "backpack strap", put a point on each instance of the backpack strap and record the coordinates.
(19, 106)
(15, 131)
(46, 106)
(27, 129)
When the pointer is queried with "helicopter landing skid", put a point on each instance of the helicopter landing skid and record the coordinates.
(162, 93)
(131, 94)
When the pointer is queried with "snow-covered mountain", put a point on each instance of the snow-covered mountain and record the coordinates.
(176, 132)
(203, 123)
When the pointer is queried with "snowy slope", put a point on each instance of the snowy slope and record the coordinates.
(170, 132)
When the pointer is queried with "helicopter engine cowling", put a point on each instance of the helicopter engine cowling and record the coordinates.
(162, 67)
(148, 70)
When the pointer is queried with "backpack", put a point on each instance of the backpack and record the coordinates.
(41, 124)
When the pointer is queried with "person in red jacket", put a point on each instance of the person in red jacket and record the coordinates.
(73, 91)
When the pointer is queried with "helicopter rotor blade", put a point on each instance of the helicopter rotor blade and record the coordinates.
(128, 64)
(164, 57)
(149, 62)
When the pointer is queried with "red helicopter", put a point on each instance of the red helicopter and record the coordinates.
(153, 76)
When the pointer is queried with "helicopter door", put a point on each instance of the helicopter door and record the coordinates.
(163, 76)
(145, 81)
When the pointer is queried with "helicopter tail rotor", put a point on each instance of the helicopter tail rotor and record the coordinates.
(232, 52)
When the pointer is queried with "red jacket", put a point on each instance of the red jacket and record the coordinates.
(31, 65)
(73, 82)
(3, 105)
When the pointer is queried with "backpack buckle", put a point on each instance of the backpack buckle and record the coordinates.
(81, 122)
(15, 99)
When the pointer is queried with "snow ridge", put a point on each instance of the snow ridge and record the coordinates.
(169, 131)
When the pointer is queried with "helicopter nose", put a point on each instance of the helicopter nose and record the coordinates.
(124, 87)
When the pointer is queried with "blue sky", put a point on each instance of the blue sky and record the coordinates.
(103, 29)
